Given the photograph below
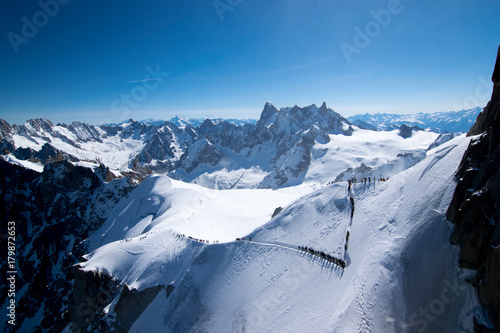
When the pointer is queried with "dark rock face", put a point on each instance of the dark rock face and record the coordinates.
(405, 131)
(475, 208)
(277, 211)
(93, 291)
(132, 304)
(54, 212)
(45, 155)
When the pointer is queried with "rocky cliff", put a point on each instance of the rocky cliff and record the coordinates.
(54, 211)
(475, 208)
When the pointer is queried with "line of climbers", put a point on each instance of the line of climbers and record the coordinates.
(243, 238)
(363, 180)
(323, 255)
(351, 200)
(181, 236)
(198, 240)
(368, 180)
(126, 240)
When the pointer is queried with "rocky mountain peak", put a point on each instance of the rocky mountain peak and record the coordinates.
(268, 114)
(38, 125)
(5, 130)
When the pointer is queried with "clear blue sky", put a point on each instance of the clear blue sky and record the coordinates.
(86, 58)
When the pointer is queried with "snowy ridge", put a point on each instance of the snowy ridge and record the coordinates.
(245, 286)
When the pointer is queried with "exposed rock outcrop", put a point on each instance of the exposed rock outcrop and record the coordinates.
(405, 131)
(132, 304)
(475, 208)
(54, 212)
(94, 291)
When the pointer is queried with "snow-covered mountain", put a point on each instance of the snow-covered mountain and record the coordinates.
(277, 147)
(451, 121)
(158, 226)
(172, 246)
(285, 147)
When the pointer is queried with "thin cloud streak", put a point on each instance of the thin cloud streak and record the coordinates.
(263, 73)
(135, 81)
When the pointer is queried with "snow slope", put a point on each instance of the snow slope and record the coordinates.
(378, 150)
(26, 164)
(161, 203)
(399, 243)
(113, 151)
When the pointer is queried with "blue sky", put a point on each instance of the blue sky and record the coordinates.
(107, 61)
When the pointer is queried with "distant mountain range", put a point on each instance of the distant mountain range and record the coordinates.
(441, 122)
(181, 121)
(451, 121)
(279, 146)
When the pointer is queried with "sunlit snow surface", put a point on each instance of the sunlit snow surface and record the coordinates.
(114, 152)
(374, 149)
(26, 164)
(399, 256)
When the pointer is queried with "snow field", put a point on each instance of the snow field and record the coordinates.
(374, 149)
(113, 151)
(26, 164)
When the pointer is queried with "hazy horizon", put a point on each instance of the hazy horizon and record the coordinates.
(223, 118)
